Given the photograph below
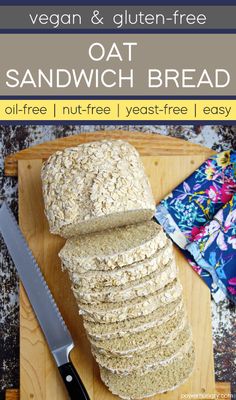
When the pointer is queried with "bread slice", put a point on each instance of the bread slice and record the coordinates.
(140, 306)
(105, 251)
(120, 276)
(147, 360)
(162, 314)
(163, 378)
(95, 186)
(141, 287)
(138, 342)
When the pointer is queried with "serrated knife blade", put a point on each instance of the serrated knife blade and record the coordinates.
(50, 319)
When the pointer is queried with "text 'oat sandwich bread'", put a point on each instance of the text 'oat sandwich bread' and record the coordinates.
(95, 186)
(121, 266)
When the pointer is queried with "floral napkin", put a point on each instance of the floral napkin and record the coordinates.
(200, 217)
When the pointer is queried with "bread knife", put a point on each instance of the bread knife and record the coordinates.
(49, 317)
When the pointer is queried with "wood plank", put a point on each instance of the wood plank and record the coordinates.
(12, 394)
(39, 377)
(146, 144)
(222, 388)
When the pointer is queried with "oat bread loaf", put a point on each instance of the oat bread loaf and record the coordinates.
(99, 280)
(112, 248)
(135, 385)
(138, 288)
(121, 266)
(95, 186)
(118, 329)
(140, 306)
(146, 360)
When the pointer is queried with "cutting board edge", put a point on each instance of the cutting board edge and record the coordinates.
(146, 144)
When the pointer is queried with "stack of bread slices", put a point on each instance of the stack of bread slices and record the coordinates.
(121, 265)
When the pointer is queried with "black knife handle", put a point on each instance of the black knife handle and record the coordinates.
(73, 382)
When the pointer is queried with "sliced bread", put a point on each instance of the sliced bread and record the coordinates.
(113, 248)
(120, 276)
(95, 186)
(118, 329)
(140, 341)
(147, 360)
(163, 378)
(140, 306)
(141, 287)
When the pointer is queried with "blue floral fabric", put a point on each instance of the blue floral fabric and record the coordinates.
(200, 217)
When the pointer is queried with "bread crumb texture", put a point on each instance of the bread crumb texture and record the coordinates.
(100, 280)
(139, 324)
(140, 306)
(134, 386)
(137, 342)
(149, 359)
(113, 248)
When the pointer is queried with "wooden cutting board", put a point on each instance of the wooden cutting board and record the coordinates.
(167, 162)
